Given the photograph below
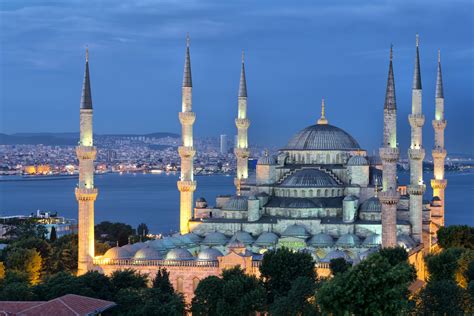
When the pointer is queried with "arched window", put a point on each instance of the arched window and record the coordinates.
(195, 283)
(179, 284)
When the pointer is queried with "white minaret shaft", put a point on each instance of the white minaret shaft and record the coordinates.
(186, 184)
(416, 153)
(86, 193)
(389, 153)
(242, 123)
(439, 152)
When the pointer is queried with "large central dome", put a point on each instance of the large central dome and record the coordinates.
(322, 137)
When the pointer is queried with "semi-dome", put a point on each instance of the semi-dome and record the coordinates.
(242, 236)
(335, 254)
(215, 239)
(117, 253)
(179, 254)
(209, 254)
(309, 178)
(266, 160)
(357, 161)
(371, 205)
(236, 203)
(148, 253)
(321, 240)
(267, 239)
(322, 137)
(372, 240)
(348, 240)
(295, 231)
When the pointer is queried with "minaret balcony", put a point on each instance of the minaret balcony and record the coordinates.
(242, 152)
(186, 152)
(416, 153)
(416, 189)
(439, 124)
(186, 186)
(438, 153)
(416, 120)
(86, 152)
(439, 184)
(187, 118)
(389, 197)
(389, 154)
(242, 123)
(85, 194)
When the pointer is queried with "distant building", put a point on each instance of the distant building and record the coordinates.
(224, 145)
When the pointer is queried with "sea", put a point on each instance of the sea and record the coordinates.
(153, 199)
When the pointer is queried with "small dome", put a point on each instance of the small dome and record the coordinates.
(148, 253)
(350, 198)
(371, 205)
(215, 239)
(322, 137)
(357, 161)
(297, 231)
(348, 240)
(372, 240)
(242, 236)
(236, 203)
(302, 203)
(179, 254)
(310, 178)
(321, 240)
(117, 253)
(267, 239)
(406, 241)
(335, 254)
(266, 160)
(209, 254)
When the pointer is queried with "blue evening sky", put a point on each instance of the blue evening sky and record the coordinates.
(296, 53)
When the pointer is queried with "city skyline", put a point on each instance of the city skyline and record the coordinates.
(348, 72)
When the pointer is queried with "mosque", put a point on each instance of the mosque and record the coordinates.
(321, 194)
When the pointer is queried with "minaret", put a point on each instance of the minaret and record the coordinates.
(416, 153)
(242, 123)
(86, 193)
(439, 153)
(389, 153)
(186, 183)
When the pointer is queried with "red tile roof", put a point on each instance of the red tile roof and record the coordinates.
(70, 304)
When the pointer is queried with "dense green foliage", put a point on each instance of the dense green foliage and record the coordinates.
(457, 236)
(234, 294)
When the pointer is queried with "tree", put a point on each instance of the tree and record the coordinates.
(142, 230)
(234, 294)
(281, 267)
(440, 297)
(339, 265)
(456, 236)
(373, 287)
(444, 265)
(128, 278)
(53, 236)
(26, 260)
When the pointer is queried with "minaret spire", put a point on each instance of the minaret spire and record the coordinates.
(86, 193)
(322, 120)
(186, 183)
(389, 153)
(242, 123)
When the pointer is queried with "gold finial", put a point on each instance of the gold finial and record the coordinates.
(87, 53)
(391, 52)
(243, 56)
(322, 120)
(439, 55)
(187, 40)
(417, 40)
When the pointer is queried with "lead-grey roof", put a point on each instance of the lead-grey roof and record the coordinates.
(439, 80)
(309, 178)
(322, 137)
(86, 96)
(390, 99)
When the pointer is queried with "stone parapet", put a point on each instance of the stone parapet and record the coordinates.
(439, 124)
(242, 123)
(186, 152)
(389, 197)
(416, 153)
(187, 118)
(241, 152)
(187, 186)
(439, 184)
(86, 152)
(416, 189)
(83, 194)
(438, 153)
(416, 120)
(389, 154)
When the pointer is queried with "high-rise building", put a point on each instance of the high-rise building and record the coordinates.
(224, 145)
